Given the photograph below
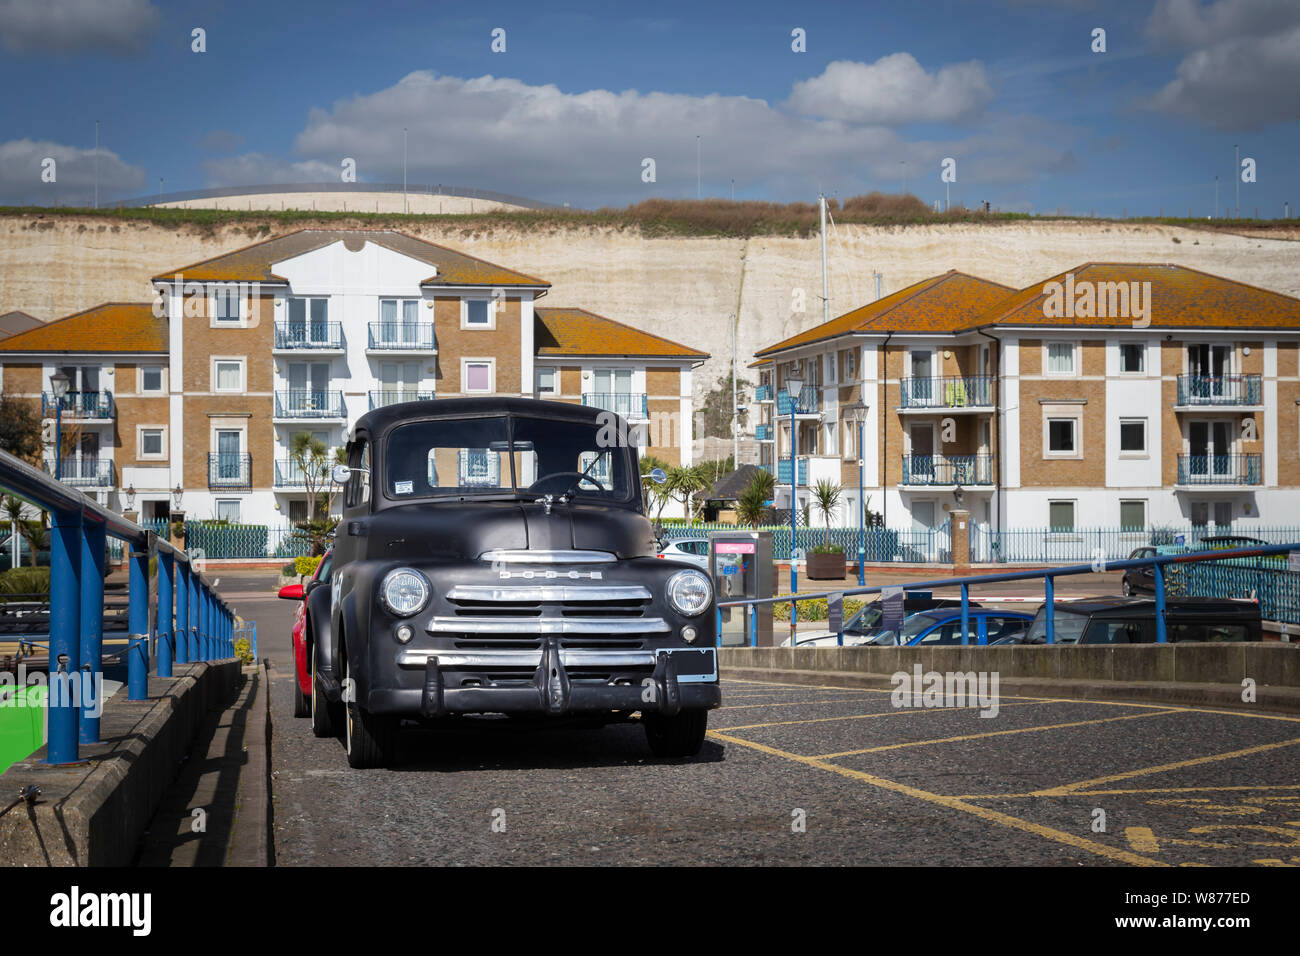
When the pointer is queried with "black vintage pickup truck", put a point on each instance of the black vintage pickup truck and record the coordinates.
(494, 557)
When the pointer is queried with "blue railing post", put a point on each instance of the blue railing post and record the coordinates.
(753, 625)
(93, 540)
(196, 652)
(1049, 606)
(182, 612)
(1158, 571)
(65, 627)
(965, 615)
(137, 651)
(205, 609)
(166, 629)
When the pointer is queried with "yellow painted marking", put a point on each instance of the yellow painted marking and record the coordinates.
(991, 733)
(892, 712)
(1119, 793)
(1177, 765)
(992, 816)
(796, 703)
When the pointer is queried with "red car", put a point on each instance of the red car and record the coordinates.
(301, 661)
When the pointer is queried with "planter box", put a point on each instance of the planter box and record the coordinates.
(826, 567)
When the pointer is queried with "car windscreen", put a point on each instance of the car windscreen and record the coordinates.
(1067, 628)
(502, 453)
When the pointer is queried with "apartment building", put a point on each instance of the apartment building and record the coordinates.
(1111, 395)
(306, 332)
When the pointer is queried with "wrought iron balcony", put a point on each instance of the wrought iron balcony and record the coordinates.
(402, 336)
(392, 396)
(763, 393)
(321, 336)
(764, 433)
(966, 470)
(230, 472)
(1220, 390)
(810, 401)
(627, 404)
(782, 471)
(308, 403)
(289, 473)
(80, 405)
(85, 472)
(1220, 470)
(978, 391)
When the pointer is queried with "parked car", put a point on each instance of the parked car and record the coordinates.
(690, 550)
(1132, 620)
(863, 628)
(1144, 579)
(302, 696)
(494, 557)
(942, 626)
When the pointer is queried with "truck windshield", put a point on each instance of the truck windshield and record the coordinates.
(505, 454)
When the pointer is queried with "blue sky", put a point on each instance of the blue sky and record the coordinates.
(585, 92)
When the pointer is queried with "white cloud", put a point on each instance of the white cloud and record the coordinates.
(894, 91)
(1242, 64)
(21, 166)
(587, 147)
(119, 28)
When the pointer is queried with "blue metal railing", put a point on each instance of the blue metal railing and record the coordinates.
(192, 621)
(783, 471)
(810, 401)
(1158, 564)
(764, 432)
(321, 336)
(478, 467)
(85, 472)
(398, 336)
(627, 404)
(230, 472)
(763, 393)
(948, 392)
(1211, 390)
(1220, 470)
(308, 403)
(969, 470)
(391, 396)
(93, 405)
(289, 473)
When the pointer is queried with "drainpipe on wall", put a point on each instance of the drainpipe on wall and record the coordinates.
(997, 419)
(884, 440)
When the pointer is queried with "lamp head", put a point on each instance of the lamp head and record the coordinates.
(59, 381)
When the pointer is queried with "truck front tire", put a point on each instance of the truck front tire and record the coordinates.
(678, 736)
(370, 739)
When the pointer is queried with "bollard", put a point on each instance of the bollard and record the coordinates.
(92, 631)
(965, 617)
(137, 652)
(65, 625)
(165, 628)
(182, 612)
(1049, 602)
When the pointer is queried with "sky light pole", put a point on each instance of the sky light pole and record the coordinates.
(793, 386)
(858, 415)
(404, 207)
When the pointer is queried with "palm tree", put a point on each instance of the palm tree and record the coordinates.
(826, 495)
(682, 484)
(752, 504)
(765, 481)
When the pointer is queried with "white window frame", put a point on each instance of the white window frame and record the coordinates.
(139, 443)
(242, 361)
(139, 380)
(1120, 363)
(1074, 515)
(491, 313)
(1054, 412)
(1145, 451)
(213, 321)
(465, 363)
(555, 381)
(851, 365)
(1074, 360)
(237, 502)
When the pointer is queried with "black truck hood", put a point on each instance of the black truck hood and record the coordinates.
(464, 530)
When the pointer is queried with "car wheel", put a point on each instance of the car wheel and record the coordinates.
(301, 702)
(1127, 588)
(679, 736)
(370, 739)
(322, 713)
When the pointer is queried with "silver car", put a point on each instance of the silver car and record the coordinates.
(689, 550)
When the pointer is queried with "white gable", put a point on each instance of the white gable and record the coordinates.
(372, 270)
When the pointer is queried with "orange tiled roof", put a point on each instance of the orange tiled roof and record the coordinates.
(943, 303)
(1180, 298)
(574, 332)
(254, 263)
(111, 327)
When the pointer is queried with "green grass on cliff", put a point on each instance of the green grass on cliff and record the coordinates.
(652, 218)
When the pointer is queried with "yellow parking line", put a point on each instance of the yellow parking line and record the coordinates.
(952, 803)
(1118, 793)
(796, 703)
(991, 733)
(1177, 765)
(893, 711)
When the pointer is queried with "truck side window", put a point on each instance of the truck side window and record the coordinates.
(358, 490)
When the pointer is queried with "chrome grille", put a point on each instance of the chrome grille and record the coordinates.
(580, 615)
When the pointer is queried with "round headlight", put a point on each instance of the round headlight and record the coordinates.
(690, 592)
(404, 591)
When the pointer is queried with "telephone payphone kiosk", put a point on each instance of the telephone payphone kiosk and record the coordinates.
(741, 565)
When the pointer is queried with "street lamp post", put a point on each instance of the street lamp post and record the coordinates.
(793, 386)
(858, 415)
(59, 385)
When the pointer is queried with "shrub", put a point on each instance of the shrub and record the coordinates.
(288, 569)
(306, 566)
(244, 651)
(826, 549)
(21, 581)
(814, 610)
